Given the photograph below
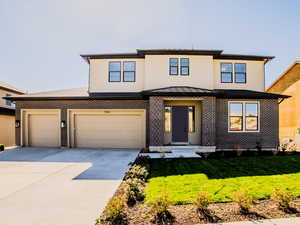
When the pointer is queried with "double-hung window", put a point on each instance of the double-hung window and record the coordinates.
(243, 116)
(240, 72)
(129, 71)
(226, 73)
(114, 72)
(184, 66)
(173, 66)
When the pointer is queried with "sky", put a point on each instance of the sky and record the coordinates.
(40, 41)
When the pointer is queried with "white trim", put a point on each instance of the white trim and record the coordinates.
(24, 122)
(244, 117)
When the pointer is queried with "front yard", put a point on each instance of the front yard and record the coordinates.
(196, 191)
(182, 179)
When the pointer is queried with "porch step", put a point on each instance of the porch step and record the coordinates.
(184, 148)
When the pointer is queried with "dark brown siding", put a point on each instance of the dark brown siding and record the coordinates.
(64, 105)
(268, 135)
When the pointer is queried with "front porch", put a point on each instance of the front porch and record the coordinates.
(184, 124)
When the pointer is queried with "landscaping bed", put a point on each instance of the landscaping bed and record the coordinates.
(268, 180)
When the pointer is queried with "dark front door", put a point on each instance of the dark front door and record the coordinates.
(180, 123)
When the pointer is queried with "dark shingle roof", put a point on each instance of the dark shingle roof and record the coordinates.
(220, 93)
(178, 90)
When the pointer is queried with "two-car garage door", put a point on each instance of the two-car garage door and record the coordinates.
(109, 130)
(86, 128)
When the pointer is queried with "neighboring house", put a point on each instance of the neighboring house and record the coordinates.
(289, 111)
(157, 98)
(7, 114)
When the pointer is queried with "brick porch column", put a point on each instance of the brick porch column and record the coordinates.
(156, 121)
(208, 117)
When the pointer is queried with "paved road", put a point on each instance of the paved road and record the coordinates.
(43, 186)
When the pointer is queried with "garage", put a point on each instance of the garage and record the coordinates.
(108, 129)
(41, 128)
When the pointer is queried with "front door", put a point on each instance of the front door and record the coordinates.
(180, 123)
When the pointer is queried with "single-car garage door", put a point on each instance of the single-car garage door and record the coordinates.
(42, 129)
(109, 129)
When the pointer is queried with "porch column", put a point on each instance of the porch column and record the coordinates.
(208, 130)
(156, 121)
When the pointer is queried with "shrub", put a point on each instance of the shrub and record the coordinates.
(137, 172)
(244, 200)
(134, 191)
(160, 209)
(283, 198)
(114, 212)
(1, 147)
(202, 200)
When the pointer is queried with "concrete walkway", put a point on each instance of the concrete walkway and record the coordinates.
(53, 186)
(284, 221)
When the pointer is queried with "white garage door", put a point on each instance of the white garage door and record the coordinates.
(109, 131)
(43, 130)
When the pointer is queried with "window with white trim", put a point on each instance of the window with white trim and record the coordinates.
(243, 116)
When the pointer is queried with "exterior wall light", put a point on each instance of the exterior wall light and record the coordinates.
(17, 123)
(63, 124)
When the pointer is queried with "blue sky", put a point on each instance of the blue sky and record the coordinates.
(41, 40)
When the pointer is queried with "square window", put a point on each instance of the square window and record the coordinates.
(240, 78)
(236, 123)
(129, 76)
(184, 70)
(251, 123)
(173, 70)
(226, 77)
(114, 76)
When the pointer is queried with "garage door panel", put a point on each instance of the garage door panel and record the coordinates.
(109, 131)
(43, 130)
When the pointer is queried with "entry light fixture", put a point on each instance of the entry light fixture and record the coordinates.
(63, 124)
(17, 123)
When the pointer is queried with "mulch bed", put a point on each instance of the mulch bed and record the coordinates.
(226, 212)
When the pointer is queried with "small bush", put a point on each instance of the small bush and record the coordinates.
(134, 191)
(160, 209)
(202, 200)
(244, 200)
(1, 147)
(283, 198)
(114, 212)
(137, 172)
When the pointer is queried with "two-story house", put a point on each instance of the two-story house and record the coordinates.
(157, 98)
(7, 114)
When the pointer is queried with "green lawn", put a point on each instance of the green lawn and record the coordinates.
(181, 179)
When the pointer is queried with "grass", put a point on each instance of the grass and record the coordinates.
(182, 179)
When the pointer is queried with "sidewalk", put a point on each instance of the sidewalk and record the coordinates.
(284, 221)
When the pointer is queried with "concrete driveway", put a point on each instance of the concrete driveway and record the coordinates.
(43, 186)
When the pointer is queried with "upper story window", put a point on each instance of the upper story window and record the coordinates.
(173, 66)
(8, 102)
(226, 72)
(243, 116)
(240, 72)
(184, 66)
(129, 71)
(114, 72)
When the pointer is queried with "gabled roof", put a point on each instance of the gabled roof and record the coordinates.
(140, 53)
(285, 79)
(8, 87)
